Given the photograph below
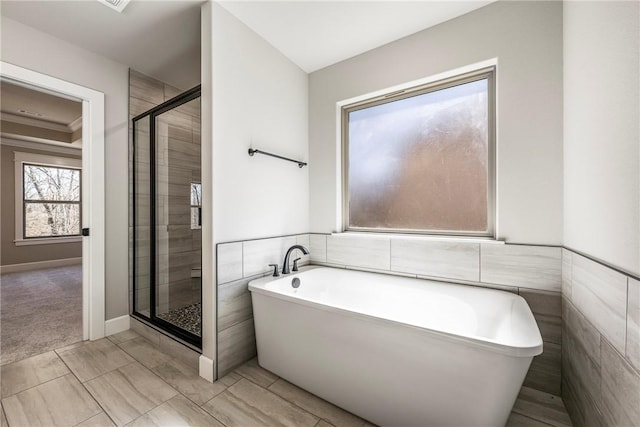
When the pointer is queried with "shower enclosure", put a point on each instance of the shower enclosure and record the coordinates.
(167, 213)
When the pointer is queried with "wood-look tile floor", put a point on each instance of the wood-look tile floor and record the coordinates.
(124, 380)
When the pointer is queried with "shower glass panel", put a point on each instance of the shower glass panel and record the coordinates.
(167, 213)
(177, 242)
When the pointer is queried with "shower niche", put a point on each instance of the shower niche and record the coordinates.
(167, 217)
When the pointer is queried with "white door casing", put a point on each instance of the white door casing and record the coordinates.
(93, 193)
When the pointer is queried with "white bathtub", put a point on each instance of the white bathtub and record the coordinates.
(397, 351)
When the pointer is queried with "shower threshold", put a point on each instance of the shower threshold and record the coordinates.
(187, 318)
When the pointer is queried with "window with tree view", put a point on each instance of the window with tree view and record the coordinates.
(196, 205)
(422, 160)
(51, 201)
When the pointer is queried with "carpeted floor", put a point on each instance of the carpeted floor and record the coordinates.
(40, 310)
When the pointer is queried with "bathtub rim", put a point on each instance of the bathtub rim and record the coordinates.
(258, 286)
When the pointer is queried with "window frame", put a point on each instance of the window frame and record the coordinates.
(488, 73)
(199, 226)
(20, 160)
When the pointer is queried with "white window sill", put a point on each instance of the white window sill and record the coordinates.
(47, 241)
(422, 237)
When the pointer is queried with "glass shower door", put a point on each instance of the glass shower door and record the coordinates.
(178, 231)
(167, 212)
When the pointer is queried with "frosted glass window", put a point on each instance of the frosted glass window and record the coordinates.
(421, 162)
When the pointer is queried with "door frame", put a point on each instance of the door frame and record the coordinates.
(93, 192)
(152, 114)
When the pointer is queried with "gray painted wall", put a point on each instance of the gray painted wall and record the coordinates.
(25, 46)
(9, 252)
(526, 38)
(263, 108)
(602, 131)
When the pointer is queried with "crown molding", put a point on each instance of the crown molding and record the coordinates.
(28, 121)
(32, 143)
(75, 125)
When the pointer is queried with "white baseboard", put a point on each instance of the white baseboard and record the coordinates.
(206, 368)
(28, 266)
(119, 324)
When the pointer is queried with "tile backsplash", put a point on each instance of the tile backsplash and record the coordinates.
(601, 294)
(536, 267)
(502, 266)
(355, 251)
(237, 264)
(532, 271)
(588, 313)
(600, 343)
(439, 259)
(633, 323)
(491, 264)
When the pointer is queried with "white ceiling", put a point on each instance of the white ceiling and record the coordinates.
(316, 34)
(158, 38)
(161, 38)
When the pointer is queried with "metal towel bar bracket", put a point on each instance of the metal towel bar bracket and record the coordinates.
(300, 164)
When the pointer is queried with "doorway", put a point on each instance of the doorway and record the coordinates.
(91, 191)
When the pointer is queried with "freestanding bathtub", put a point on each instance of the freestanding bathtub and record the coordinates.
(397, 351)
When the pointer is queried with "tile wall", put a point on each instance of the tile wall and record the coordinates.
(178, 153)
(178, 244)
(144, 94)
(237, 264)
(600, 342)
(596, 322)
(532, 271)
(165, 343)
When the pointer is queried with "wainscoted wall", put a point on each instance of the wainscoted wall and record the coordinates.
(600, 342)
(238, 264)
(534, 272)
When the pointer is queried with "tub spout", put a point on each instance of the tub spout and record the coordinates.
(285, 266)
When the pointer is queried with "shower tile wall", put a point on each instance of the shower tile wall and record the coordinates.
(534, 272)
(237, 264)
(178, 155)
(178, 245)
(600, 343)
